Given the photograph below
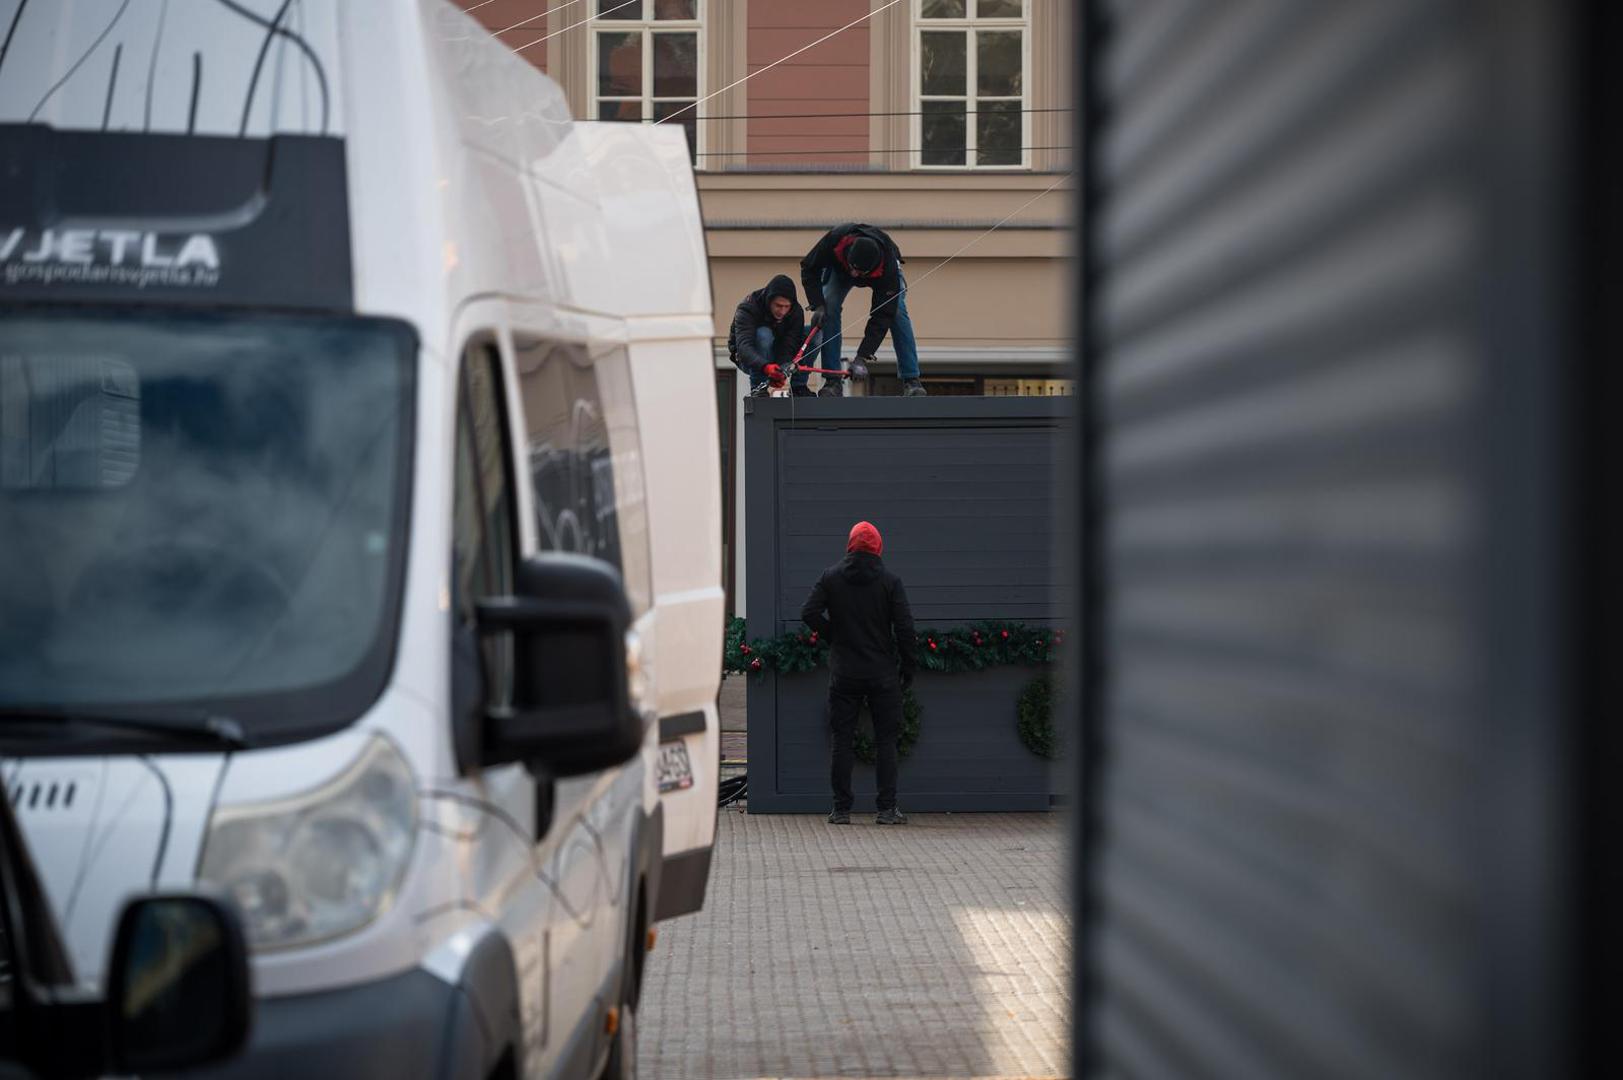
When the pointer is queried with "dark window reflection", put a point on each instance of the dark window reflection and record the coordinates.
(193, 508)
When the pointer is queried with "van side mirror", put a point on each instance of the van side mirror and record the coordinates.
(572, 710)
(178, 993)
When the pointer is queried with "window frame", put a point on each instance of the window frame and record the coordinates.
(969, 25)
(647, 26)
(496, 670)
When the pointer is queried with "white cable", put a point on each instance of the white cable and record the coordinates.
(575, 25)
(543, 13)
(780, 60)
(1004, 221)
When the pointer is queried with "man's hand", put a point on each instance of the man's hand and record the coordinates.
(814, 317)
(859, 367)
(774, 375)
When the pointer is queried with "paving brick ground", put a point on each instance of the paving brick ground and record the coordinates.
(941, 949)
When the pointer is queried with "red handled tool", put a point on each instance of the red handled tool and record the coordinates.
(795, 365)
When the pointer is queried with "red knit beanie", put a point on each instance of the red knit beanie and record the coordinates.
(864, 537)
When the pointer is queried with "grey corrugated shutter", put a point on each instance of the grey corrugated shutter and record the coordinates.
(1296, 371)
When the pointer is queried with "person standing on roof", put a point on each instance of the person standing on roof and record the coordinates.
(768, 327)
(855, 256)
(862, 610)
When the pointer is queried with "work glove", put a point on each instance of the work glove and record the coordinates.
(814, 317)
(859, 367)
(774, 374)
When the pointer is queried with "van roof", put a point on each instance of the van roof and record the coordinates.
(465, 175)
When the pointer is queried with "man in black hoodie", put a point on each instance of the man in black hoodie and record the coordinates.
(767, 330)
(857, 256)
(862, 610)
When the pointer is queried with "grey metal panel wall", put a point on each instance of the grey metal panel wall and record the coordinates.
(962, 491)
(1292, 392)
(966, 514)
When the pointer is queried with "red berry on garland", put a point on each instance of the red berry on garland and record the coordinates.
(745, 649)
(932, 645)
(977, 639)
(755, 665)
(1005, 635)
(814, 637)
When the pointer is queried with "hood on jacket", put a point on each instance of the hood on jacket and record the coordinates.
(781, 285)
(861, 567)
(760, 301)
(865, 536)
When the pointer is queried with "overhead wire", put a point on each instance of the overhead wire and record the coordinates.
(543, 13)
(843, 115)
(575, 25)
(739, 82)
(976, 239)
(790, 56)
(866, 150)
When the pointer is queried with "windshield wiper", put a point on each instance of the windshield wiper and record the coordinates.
(204, 729)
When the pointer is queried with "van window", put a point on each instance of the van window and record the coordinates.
(485, 527)
(202, 512)
(584, 453)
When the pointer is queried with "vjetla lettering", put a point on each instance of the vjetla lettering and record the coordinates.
(111, 247)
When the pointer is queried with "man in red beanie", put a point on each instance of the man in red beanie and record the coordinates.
(862, 611)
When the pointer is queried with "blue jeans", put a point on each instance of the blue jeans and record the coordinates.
(835, 288)
(764, 338)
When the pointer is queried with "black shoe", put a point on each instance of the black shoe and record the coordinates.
(892, 816)
(914, 388)
(832, 388)
(839, 817)
(801, 391)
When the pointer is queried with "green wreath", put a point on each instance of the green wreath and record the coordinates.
(1035, 709)
(863, 746)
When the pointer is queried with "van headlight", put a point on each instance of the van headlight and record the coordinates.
(321, 864)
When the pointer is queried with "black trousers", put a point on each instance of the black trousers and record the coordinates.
(845, 699)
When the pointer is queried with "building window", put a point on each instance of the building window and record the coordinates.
(1038, 386)
(970, 63)
(646, 61)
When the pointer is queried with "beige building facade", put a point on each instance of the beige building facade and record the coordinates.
(790, 142)
(945, 122)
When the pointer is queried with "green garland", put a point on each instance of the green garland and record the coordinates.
(1035, 712)
(966, 648)
(969, 648)
(863, 746)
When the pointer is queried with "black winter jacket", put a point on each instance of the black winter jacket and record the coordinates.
(862, 610)
(752, 314)
(887, 287)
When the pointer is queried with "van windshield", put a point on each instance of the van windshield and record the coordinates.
(201, 512)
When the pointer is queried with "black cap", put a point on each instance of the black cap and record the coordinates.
(864, 255)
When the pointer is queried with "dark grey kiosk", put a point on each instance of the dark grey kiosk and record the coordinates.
(963, 491)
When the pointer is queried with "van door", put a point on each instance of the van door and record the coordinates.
(584, 473)
(503, 866)
(682, 452)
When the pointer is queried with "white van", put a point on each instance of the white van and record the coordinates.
(360, 515)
